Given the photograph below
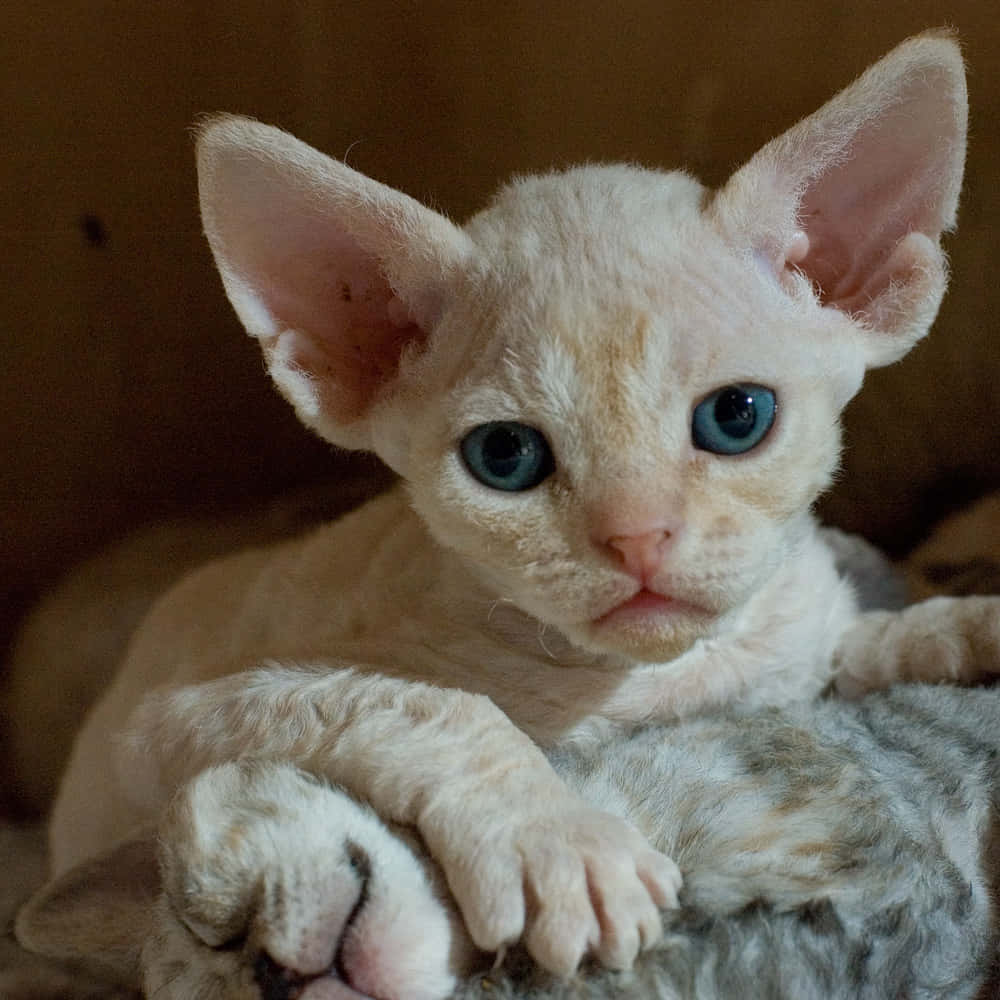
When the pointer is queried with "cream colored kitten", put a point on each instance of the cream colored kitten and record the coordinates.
(613, 397)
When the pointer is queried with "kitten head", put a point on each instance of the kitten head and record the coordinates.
(614, 394)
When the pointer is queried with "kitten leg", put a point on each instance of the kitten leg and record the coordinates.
(523, 855)
(940, 639)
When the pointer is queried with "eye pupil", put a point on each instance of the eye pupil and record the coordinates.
(735, 412)
(502, 449)
(733, 419)
(507, 455)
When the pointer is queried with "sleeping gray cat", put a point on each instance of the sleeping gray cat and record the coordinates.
(831, 850)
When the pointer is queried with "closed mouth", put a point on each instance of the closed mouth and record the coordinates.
(647, 605)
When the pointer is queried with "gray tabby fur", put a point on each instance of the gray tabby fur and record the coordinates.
(831, 850)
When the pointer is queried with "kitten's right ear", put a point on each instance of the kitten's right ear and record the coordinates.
(337, 275)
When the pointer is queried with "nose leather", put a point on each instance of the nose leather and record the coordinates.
(641, 554)
(277, 982)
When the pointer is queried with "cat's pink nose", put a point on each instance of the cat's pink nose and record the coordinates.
(641, 554)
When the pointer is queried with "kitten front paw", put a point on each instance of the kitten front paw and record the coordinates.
(276, 885)
(955, 639)
(567, 879)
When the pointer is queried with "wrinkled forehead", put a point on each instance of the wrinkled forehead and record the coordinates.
(594, 291)
(693, 311)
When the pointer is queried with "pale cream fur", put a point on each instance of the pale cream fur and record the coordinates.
(417, 651)
(962, 557)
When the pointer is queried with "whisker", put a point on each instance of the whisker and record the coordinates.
(542, 628)
(494, 604)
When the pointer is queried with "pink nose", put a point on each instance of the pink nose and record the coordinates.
(641, 554)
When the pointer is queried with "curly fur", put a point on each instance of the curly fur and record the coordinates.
(424, 653)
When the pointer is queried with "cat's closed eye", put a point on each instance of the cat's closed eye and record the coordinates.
(734, 419)
(507, 455)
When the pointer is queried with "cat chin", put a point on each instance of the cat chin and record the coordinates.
(646, 632)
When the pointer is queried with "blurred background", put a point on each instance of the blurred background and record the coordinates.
(127, 389)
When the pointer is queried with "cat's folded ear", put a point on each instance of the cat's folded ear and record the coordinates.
(338, 276)
(98, 914)
(857, 196)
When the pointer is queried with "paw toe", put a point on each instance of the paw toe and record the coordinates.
(662, 879)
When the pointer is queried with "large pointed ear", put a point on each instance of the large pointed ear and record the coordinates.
(99, 914)
(857, 196)
(339, 276)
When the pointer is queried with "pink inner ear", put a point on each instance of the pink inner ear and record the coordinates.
(891, 180)
(332, 328)
(343, 328)
(854, 220)
(344, 375)
(339, 276)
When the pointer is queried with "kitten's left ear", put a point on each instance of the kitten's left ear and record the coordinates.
(857, 196)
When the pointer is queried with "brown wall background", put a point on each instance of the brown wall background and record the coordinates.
(127, 389)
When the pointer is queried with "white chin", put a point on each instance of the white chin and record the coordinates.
(643, 640)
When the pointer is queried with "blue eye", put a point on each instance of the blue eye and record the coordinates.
(733, 419)
(507, 456)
